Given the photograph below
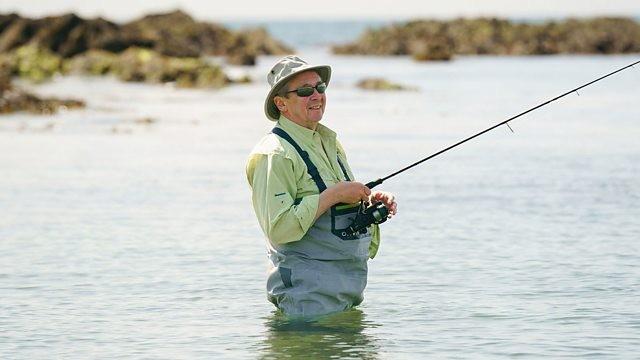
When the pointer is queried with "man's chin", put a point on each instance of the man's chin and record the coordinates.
(316, 117)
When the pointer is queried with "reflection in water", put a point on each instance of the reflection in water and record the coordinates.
(337, 336)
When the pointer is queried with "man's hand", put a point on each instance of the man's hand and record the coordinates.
(347, 192)
(350, 192)
(387, 199)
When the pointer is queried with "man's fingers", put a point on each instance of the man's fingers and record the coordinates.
(388, 199)
(394, 209)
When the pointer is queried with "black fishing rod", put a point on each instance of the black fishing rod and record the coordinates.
(378, 212)
(375, 183)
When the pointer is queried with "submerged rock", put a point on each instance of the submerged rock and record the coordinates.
(13, 99)
(380, 84)
(439, 40)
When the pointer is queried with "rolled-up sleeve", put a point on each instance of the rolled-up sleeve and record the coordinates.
(274, 189)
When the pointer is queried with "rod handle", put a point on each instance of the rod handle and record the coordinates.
(373, 184)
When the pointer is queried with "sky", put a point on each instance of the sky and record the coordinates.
(214, 10)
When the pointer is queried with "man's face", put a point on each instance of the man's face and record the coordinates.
(304, 111)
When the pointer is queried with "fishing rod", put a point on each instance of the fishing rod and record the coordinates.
(375, 183)
(378, 213)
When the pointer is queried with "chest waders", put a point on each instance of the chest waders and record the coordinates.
(326, 270)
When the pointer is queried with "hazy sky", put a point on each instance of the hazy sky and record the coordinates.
(121, 10)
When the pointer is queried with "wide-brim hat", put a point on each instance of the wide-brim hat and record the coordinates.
(281, 72)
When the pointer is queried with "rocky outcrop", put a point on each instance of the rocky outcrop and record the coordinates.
(177, 34)
(143, 65)
(173, 34)
(65, 35)
(13, 99)
(156, 48)
(440, 40)
(134, 64)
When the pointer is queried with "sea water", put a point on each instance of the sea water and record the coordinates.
(126, 228)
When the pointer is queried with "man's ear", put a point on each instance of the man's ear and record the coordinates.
(280, 103)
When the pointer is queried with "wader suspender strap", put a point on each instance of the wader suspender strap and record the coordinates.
(344, 170)
(312, 169)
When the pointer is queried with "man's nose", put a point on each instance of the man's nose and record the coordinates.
(315, 94)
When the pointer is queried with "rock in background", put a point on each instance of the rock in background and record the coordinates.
(13, 99)
(173, 34)
(440, 40)
(161, 48)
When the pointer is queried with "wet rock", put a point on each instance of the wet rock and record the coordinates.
(177, 34)
(16, 31)
(172, 34)
(250, 43)
(380, 84)
(148, 66)
(243, 58)
(13, 99)
(434, 49)
(145, 121)
(244, 79)
(93, 62)
(32, 63)
(440, 40)
(157, 48)
(64, 35)
(134, 64)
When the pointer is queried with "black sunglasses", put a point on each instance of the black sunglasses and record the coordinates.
(308, 90)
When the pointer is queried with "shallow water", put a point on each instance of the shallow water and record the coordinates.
(126, 237)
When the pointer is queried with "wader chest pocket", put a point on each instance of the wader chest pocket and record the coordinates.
(342, 217)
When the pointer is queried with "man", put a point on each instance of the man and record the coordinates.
(304, 198)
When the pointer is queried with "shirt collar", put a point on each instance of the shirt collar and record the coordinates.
(303, 134)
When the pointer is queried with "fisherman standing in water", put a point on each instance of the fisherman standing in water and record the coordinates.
(305, 198)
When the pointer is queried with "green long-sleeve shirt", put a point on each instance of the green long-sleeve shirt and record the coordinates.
(285, 197)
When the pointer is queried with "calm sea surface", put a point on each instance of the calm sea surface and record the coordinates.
(126, 229)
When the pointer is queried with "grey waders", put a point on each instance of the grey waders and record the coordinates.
(326, 270)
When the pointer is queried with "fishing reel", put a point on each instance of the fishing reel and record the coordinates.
(367, 216)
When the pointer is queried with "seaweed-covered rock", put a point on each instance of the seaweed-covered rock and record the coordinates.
(437, 48)
(171, 34)
(32, 63)
(134, 64)
(157, 48)
(93, 62)
(250, 43)
(13, 99)
(145, 65)
(176, 34)
(438, 40)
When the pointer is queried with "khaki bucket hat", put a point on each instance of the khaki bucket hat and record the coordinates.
(281, 72)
